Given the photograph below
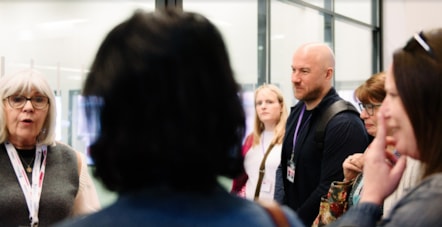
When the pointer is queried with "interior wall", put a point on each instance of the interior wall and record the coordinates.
(403, 18)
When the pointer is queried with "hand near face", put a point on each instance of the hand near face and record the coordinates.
(352, 166)
(381, 177)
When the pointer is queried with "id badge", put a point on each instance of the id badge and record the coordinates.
(291, 171)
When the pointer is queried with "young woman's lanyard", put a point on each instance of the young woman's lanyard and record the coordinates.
(32, 192)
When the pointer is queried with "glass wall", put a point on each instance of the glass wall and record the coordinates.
(291, 25)
(345, 25)
(237, 21)
(350, 28)
(60, 38)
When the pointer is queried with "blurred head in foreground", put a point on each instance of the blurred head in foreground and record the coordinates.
(168, 108)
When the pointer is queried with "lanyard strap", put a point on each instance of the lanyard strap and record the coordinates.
(295, 136)
(32, 192)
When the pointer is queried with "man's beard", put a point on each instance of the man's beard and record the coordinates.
(312, 95)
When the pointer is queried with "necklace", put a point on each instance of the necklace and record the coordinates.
(28, 166)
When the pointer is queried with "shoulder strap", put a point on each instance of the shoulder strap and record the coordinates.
(262, 169)
(275, 211)
(329, 113)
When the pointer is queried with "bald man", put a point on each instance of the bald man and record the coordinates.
(306, 171)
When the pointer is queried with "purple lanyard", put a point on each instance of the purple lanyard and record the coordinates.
(295, 136)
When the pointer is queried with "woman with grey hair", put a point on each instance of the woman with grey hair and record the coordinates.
(42, 181)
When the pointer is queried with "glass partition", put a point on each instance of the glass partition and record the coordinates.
(291, 26)
(360, 10)
(59, 38)
(237, 22)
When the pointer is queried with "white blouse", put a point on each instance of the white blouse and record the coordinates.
(252, 163)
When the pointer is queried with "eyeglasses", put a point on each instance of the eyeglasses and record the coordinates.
(421, 40)
(369, 107)
(18, 101)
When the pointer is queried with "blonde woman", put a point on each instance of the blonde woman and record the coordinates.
(265, 143)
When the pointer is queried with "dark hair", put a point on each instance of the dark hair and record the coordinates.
(418, 78)
(171, 113)
(372, 90)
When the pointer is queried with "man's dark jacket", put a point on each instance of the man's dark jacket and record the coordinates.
(345, 134)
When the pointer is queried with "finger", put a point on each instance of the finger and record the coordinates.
(377, 147)
(347, 161)
(358, 164)
(354, 168)
(390, 141)
(398, 169)
(391, 157)
(381, 133)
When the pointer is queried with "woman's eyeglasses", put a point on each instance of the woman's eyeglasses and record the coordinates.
(18, 101)
(369, 107)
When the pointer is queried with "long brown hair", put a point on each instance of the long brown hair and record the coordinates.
(418, 77)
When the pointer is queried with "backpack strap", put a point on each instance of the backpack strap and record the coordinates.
(275, 211)
(335, 108)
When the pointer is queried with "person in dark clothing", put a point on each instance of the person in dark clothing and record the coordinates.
(170, 122)
(306, 170)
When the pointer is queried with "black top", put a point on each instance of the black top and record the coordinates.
(345, 134)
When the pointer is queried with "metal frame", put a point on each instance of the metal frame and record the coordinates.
(330, 16)
(159, 4)
(263, 42)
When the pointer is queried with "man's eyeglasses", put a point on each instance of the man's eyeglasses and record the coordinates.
(18, 101)
(421, 40)
(369, 107)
